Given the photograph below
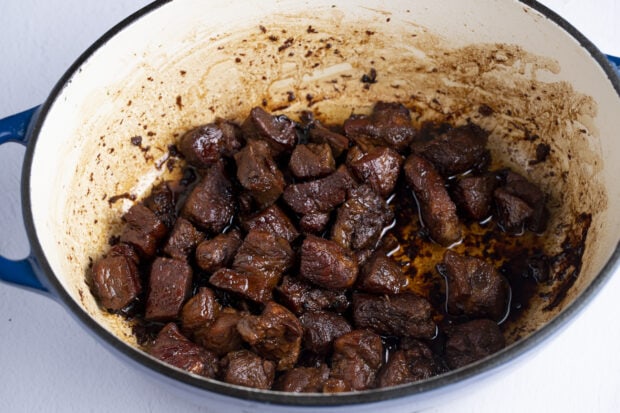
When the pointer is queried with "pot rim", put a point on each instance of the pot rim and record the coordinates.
(450, 379)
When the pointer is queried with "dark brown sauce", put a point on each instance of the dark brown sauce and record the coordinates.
(419, 257)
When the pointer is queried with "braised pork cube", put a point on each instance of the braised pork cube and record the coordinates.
(457, 150)
(207, 144)
(116, 280)
(221, 336)
(173, 348)
(143, 230)
(183, 239)
(354, 154)
(124, 250)
(272, 219)
(252, 285)
(361, 219)
(162, 201)
(357, 357)
(199, 311)
(327, 264)
(472, 341)
(245, 368)
(408, 365)
(264, 252)
(312, 161)
(381, 274)
(404, 315)
(303, 379)
(314, 223)
(210, 205)
(218, 252)
(258, 173)
(388, 125)
(277, 131)
(520, 204)
(320, 134)
(333, 385)
(321, 328)
(512, 211)
(300, 296)
(378, 168)
(475, 287)
(170, 284)
(473, 195)
(320, 195)
(275, 334)
(437, 210)
(257, 267)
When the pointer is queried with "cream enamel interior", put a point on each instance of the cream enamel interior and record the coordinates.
(420, 49)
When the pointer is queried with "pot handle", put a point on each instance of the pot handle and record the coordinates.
(615, 63)
(21, 272)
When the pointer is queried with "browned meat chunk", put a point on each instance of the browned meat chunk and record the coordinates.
(264, 252)
(312, 161)
(388, 125)
(408, 365)
(206, 144)
(210, 205)
(218, 252)
(473, 195)
(172, 347)
(327, 264)
(314, 223)
(116, 280)
(143, 230)
(320, 134)
(520, 204)
(303, 379)
(437, 211)
(183, 239)
(321, 328)
(161, 201)
(358, 355)
(472, 341)
(199, 311)
(278, 131)
(354, 154)
(221, 336)
(475, 287)
(257, 267)
(456, 150)
(336, 386)
(512, 211)
(258, 173)
(124, 250)
(320, 195)
(300, 296)
(245, 368)
(361, 219)
(379, 168)
(255, 286)
(170, 284)
(404, 315)
(275, 334)
(381, 275)
(272, 219)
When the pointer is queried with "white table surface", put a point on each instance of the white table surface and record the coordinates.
(49, 364)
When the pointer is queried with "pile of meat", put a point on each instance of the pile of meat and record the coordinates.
(273, 268)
